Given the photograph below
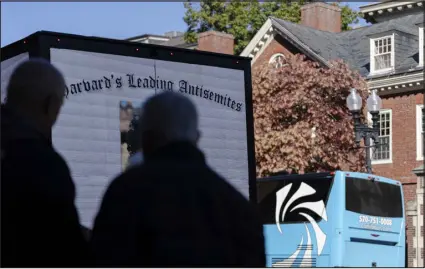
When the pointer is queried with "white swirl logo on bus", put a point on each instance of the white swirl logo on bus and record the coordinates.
(318, 207)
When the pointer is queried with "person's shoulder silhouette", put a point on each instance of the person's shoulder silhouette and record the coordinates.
(174, 210)
(37, 188)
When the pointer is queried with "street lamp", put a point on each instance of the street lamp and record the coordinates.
(361, 130)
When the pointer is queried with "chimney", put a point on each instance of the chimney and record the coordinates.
(321, 16)
(216, 42)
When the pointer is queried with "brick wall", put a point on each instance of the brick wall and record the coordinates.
(403, 140)
(411, 220)
(410, 234)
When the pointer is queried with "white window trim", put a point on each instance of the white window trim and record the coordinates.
(390, 160)
(372, 55)
(275, 56)
(419, 154)
(421, 46)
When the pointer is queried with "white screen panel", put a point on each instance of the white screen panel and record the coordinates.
(88, 131)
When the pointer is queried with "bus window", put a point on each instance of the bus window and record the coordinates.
(267, 197)
(373, 198)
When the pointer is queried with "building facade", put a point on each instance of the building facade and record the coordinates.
(389, 54)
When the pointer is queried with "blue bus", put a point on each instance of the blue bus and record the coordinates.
(336, 219)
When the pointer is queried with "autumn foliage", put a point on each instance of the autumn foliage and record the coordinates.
(300, 117)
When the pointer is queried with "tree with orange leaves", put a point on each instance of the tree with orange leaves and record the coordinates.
(300, 117)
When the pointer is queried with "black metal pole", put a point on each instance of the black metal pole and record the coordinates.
(357, 126)
(368, 157)
(368, 134)
(375, 123)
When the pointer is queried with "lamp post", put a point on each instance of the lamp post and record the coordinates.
(361, 130)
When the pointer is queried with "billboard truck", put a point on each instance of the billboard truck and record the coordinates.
(106, 83)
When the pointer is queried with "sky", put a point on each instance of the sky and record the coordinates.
(103, 19)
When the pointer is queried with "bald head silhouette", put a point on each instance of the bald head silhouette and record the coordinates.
(36, 91)
(166, 118)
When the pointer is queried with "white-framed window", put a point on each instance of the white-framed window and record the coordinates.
(420, 130)
(278, 60)
(382, 54)
(421, 46)
(383, 152)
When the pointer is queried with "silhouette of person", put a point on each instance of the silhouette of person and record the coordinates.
(173, 209)
(40, 224)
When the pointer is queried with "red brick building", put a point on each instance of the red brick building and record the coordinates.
(389, 55)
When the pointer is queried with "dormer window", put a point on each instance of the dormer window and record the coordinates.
(421, 46)
(382, 54)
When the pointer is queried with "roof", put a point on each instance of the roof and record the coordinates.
(144, 36)
(374, 6)
(375, 12)
(178, 41)
(354, 46)
(175, 41)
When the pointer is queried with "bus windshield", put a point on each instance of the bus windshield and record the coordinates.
(373, 198)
